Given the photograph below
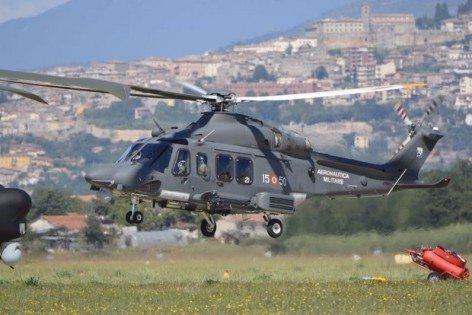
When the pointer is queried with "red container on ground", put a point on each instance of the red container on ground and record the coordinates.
(447, 263)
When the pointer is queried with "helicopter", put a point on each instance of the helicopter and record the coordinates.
(14, 206)
(229, 163)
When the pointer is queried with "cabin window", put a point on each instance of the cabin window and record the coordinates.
(277, 139)
(224, 167)
(182, 163)
(244, 171)
(203, 169)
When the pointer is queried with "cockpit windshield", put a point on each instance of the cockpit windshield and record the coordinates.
(146, 153)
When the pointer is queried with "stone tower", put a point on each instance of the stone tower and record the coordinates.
(365, 15)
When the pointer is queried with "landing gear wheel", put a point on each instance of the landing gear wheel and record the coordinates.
(129, 217)
(434, 277)
(275, 228)
(138, 217)
(207, 228)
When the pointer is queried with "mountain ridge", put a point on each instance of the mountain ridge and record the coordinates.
(84, 31)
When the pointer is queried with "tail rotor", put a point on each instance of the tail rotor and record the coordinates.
(413, 126)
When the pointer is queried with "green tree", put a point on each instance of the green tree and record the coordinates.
(54, 202)
(465, 7)
(260, 74)
(441, 12)
(94, 234)
(321, 73)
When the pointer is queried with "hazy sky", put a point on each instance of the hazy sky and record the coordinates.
(13, 9)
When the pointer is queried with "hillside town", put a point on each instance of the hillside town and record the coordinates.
(374, 49)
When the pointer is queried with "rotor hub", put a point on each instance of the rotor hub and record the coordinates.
(222, 102)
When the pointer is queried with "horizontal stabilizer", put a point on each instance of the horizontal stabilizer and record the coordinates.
(440, 184)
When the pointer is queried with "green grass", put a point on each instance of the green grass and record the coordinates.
(456, 236)
(191, 280)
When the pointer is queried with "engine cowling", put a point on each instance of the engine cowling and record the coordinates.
(11, 253)
(292, 144)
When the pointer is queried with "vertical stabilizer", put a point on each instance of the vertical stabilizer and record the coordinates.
(413, 155)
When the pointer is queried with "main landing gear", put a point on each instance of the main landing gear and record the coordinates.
(275, 227)
(134, 216)
(208, 225)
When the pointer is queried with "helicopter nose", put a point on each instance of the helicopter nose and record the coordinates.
(101, 176)
(115, 175)
(129, 176)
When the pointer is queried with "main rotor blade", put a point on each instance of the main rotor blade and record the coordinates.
(23, 93)
(122, 91)
(117, 89)
(194, 88)
(175, 95)
(291, 97)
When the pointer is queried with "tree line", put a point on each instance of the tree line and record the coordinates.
(429, 208)
(441, 13)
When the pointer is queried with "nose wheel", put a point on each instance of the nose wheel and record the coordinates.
(275, 227)
(208, 226)
(134, 216)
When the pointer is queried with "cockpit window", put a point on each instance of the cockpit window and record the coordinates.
(132, 149)
(143, 152)
(182, 163)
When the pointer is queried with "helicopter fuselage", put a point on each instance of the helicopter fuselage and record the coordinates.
(230, 163)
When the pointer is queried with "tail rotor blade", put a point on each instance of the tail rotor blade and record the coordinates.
(431, 108)
(402, 113)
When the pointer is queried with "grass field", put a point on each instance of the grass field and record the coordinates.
(193, 279)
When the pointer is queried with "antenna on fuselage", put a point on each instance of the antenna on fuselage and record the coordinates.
(203, 139)
(156, 133)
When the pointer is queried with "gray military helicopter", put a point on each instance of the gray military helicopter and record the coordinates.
(228, 163)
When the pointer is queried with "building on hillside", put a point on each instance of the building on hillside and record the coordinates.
(384, 70)
(393, 30)
(15, 162)
(30, 149)
(465, 85)
(71, 223)
(460, 24)
(360, 65)
(60, 231)
(191, 68)
(8, 176)
(379, 30)
(339, 33)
